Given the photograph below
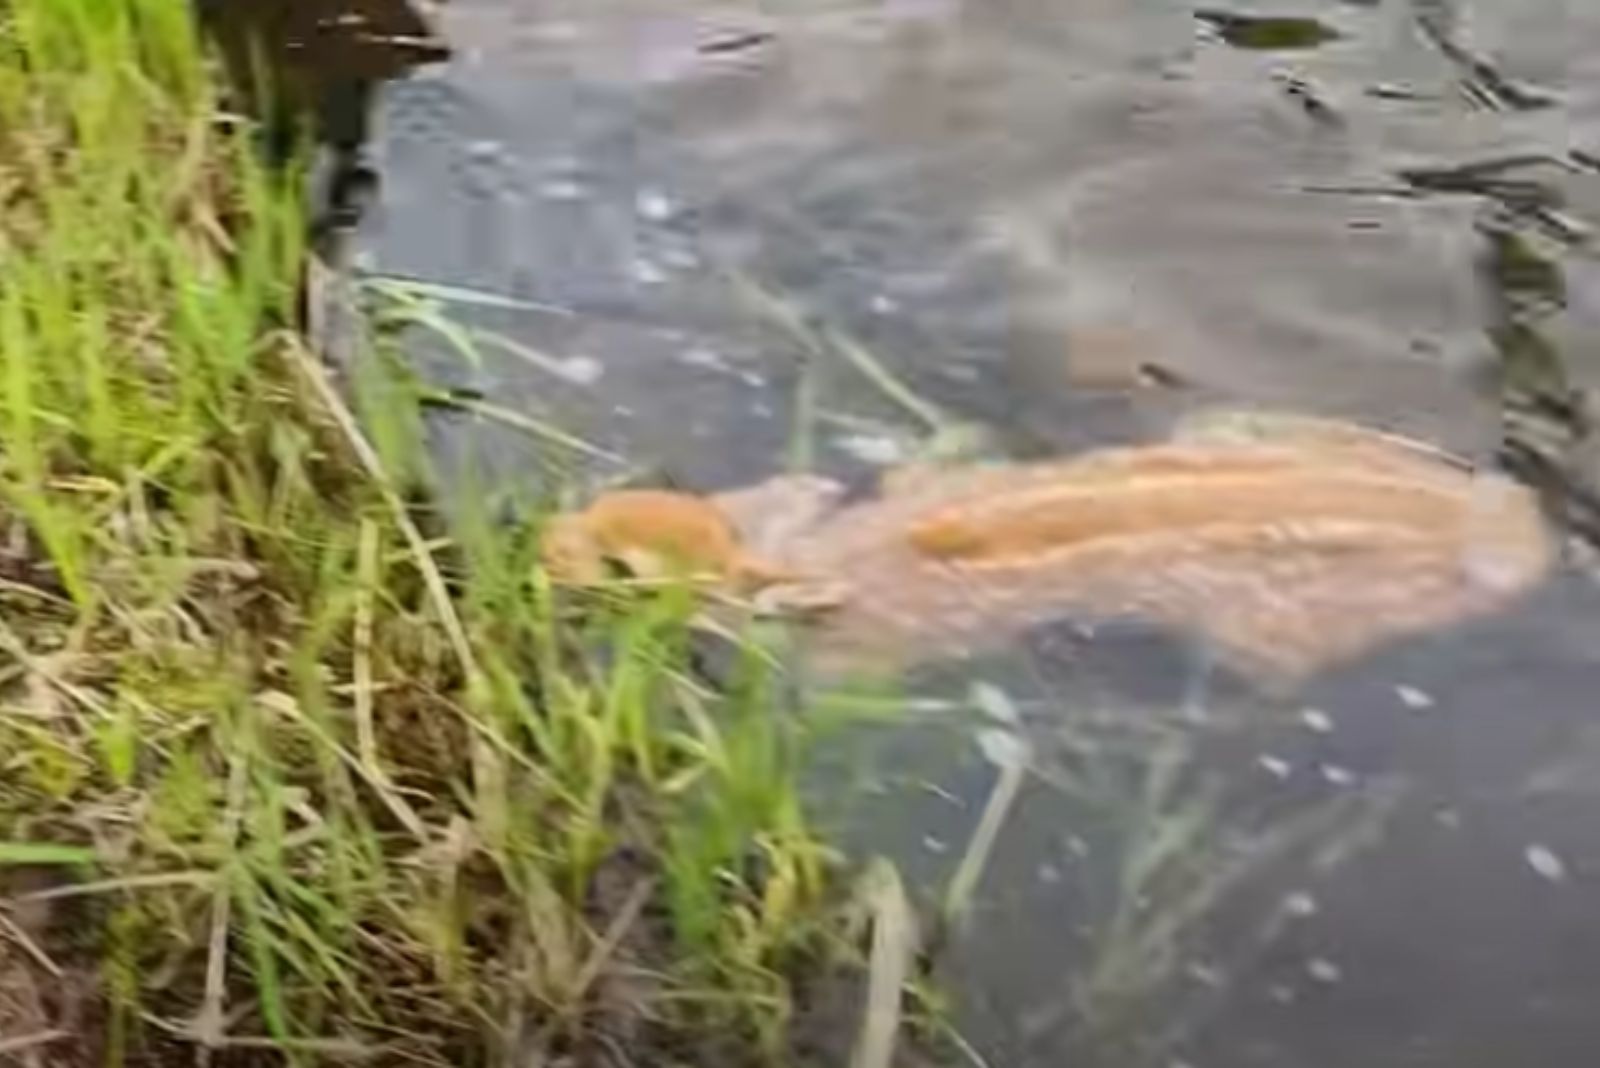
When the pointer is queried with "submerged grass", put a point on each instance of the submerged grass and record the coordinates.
(285, 776)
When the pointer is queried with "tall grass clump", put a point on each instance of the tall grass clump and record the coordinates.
(286, 775)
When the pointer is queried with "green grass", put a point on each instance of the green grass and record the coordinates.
(284, 775)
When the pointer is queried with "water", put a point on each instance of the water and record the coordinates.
(1071, 222)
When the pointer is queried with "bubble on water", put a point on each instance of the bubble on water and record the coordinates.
(1077, 847)
(935, 845)
(654, 205)
(882, 304)
(1413, 698)
(1049, 874)
(1545, 863)
(1323, 970)
(1275, 766)
(1315, 719)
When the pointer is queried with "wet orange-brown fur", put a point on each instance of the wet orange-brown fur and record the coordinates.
(1290, 543)
(1159, 489)
(654, 533)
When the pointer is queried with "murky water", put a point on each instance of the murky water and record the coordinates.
(1071, 222)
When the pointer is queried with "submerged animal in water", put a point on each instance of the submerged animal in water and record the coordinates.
(1289, 544)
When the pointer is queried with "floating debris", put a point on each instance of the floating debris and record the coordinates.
(1545, 863)
(1270, 33)
(736, 42)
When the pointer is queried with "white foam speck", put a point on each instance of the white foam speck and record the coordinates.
(883, 305)
(710, 359)
(563, 189)
(1336, 775)
(646, 273)
(1315, 719)
(1300, 904)
(1543, 860)
(935, 845)
(1275, 766)
(581, 370)
(1413, 698)
(1323, 970)
(874, 449)
(652, 204)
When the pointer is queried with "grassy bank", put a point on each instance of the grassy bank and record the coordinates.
(283, 774)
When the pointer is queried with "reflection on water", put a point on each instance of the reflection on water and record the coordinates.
(1073, 221)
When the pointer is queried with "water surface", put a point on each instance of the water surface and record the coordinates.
(1071, 222)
